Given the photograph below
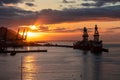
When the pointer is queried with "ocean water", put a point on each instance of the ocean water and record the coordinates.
(61, 63)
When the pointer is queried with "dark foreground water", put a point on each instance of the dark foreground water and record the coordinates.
(61, 64)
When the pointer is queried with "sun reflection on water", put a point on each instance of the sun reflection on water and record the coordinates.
(29, 70)
(28, 48)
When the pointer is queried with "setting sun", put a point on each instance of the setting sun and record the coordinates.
(31, 34)
(35, 36)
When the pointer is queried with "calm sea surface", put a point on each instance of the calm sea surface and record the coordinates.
(61, 64)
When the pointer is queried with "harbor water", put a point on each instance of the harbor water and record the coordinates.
(61, 63)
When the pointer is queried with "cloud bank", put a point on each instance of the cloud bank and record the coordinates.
(16, 16)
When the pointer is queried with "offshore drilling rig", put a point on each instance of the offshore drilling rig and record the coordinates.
(94, 45)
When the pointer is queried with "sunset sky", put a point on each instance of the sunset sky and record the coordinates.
(62, 19)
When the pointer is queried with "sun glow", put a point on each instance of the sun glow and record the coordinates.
(33, 27)
(36, 36)
(31, 34)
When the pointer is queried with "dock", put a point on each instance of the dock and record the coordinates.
(23, 51)
(67, 46)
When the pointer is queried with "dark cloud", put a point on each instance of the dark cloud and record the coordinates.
(65, 1)
(1, 4)
(70, 15)
(43, 28)
(16, 16)
(30, 4)
(12, 12)
(61, 29)
(107, 1)
(99, 3)
(92, 4)
(29, 0)
(16, 1)
(11, 16)
(68, 1)
(10, 1)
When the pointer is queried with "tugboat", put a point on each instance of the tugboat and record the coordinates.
(92, 45)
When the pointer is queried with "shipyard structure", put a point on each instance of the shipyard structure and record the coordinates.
(94, 45)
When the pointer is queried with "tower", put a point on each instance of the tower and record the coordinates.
(96, 34)
(85, 35)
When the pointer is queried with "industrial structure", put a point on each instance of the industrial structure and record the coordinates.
(94, 45)
(17, 41)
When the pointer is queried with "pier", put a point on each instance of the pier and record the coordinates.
(24, 51)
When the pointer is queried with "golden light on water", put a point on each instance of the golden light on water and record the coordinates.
(29, 68)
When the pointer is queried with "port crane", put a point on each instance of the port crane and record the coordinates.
(17, 42)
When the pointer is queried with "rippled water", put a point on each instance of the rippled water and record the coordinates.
(61, 64)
